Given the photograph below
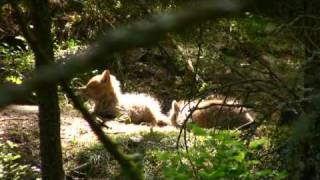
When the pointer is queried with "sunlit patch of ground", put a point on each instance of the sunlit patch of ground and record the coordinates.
(72, 128)
(14, 119)
(82, 152)
(76, 128)
(18, 123)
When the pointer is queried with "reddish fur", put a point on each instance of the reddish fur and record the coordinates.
(212, 114)
(104, 90)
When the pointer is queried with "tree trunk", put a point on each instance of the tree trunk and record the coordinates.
(49, 112)
(309, 149)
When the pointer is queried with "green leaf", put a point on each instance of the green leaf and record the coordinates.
(258, 143)
(163, 156)
(254, 162)
(216, 174)
(282, 175)
(15, 157)
(240, 157)
(14, 79)
(11, 144)
(198, 131)
(264, 173)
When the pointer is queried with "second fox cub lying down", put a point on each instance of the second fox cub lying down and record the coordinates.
(213, 113)
(104, 89)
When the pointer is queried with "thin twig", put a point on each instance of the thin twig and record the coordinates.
(184, 124)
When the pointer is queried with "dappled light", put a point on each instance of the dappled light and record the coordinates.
(121, 89)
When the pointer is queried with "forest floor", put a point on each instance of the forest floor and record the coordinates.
(23, 118)
(18, 124)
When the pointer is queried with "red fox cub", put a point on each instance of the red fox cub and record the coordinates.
(212, 113)
(109, 101)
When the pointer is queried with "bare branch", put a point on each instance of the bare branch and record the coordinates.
(126, 163)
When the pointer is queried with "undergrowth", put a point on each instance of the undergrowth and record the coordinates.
(11, 165)
(210, 155)
(217, 155)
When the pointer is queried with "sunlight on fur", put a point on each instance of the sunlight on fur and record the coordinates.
(110, 102)
(213, 112)
(104, 89)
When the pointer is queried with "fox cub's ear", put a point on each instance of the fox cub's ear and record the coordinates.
(175, 106)
(105, 76)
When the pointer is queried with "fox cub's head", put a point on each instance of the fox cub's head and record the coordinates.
(98, 87)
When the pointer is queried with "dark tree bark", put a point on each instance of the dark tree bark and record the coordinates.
(310, 142)
(49, 112)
